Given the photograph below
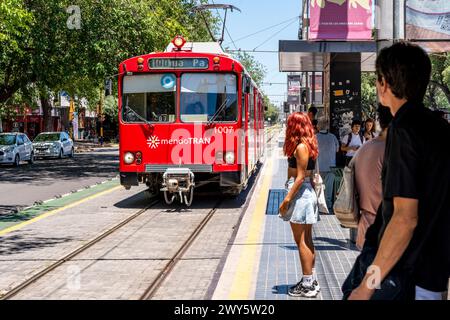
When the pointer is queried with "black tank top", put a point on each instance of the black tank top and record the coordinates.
(292, 163)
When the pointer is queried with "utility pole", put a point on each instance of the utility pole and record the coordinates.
(71, 111)
(100, 116)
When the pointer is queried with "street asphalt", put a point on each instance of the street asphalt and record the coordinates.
(23, 186)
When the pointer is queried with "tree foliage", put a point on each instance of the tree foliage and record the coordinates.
(438, 92)
(368, 94)
(43, 51)
(256, 69)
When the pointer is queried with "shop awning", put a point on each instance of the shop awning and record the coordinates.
(309, 56)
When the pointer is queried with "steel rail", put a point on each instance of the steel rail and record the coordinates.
(162, 275)
(74, 253)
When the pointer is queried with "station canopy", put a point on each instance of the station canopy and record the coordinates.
(310, 56)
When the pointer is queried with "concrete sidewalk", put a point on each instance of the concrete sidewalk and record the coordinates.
(264, 261)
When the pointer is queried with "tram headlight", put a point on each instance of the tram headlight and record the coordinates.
(128, 158)
(229, 157)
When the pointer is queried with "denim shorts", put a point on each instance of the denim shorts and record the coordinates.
(303, 207)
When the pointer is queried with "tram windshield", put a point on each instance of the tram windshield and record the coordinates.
(208, 97)
(149, 98)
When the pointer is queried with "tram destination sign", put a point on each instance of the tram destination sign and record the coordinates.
(181, 63)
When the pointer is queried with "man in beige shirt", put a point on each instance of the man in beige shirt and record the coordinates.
(368, 163)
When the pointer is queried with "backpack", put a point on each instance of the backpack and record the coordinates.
(350, 138)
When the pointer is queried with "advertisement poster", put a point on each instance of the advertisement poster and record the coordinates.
(293, 82)
(340, 20)
(428, 19)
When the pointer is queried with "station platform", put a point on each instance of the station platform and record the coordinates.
(263, 261)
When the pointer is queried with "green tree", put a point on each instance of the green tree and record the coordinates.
(56, 56)
(15, 27)
(272, 111)
(368, 94)
(256, 69)
(438, 92)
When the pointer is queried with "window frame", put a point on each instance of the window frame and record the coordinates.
(216, 122)
(175, 106)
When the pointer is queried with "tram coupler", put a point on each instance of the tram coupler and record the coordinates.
(178, 182)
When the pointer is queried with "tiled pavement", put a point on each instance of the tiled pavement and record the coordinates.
(279, 265)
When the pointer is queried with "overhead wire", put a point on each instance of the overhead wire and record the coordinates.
(264, 42)
(267, 28)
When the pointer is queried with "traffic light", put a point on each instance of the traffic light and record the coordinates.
(303, 97)
(286, 107)
(108, 87)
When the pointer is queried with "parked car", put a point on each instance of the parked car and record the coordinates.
(15, 147)
(53, 144)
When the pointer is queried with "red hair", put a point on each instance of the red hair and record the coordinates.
(299, 129)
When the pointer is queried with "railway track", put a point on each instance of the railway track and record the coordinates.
(75, 252)
(162, 275)
(159, 279)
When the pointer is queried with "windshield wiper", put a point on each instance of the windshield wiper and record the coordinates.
(137, 114)
(219, 110)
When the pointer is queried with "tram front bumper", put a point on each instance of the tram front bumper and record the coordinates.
(128, 179)
(178, 180)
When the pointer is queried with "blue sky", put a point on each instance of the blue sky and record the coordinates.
(256, 15)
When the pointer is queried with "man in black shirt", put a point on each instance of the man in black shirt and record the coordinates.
(413, 233)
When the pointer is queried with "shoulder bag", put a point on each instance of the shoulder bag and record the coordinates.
(319, 187)
(346, 205)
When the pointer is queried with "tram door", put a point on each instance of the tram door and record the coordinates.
(251, 130)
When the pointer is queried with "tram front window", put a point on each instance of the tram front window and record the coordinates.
(208, 97)
(149, 98)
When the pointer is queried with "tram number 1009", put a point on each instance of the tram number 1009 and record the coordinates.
(183, 63)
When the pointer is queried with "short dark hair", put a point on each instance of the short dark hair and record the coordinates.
(313, 110)
(406, 67)
(356, 123)
(384, 116)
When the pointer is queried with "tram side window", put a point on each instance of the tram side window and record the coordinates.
(149, 98)
(251, 105)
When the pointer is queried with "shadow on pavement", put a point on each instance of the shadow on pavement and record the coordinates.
(16, 244)
(204, 197)
(43, 171)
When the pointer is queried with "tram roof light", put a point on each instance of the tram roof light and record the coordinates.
(216, 60)
(178, 42)
(140, 60)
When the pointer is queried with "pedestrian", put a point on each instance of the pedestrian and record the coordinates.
(369, 131)
(352, 141)
(312, 112)
(412, 233)
(315, 123)
(299, 207)
(328, 147)
(368, 162)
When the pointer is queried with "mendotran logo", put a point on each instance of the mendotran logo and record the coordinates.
(153, 142)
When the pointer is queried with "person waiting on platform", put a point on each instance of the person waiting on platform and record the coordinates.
(410, 237)
(328, 147)
(369, 129)
(368, 162)
(352, 141)
(299, 207)
(312, 112)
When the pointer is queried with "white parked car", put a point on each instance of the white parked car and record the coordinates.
(53, 144)
(15, 147)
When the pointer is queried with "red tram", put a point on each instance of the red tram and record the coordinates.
(188, 116)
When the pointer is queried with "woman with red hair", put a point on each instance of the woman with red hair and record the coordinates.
(299, 207)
